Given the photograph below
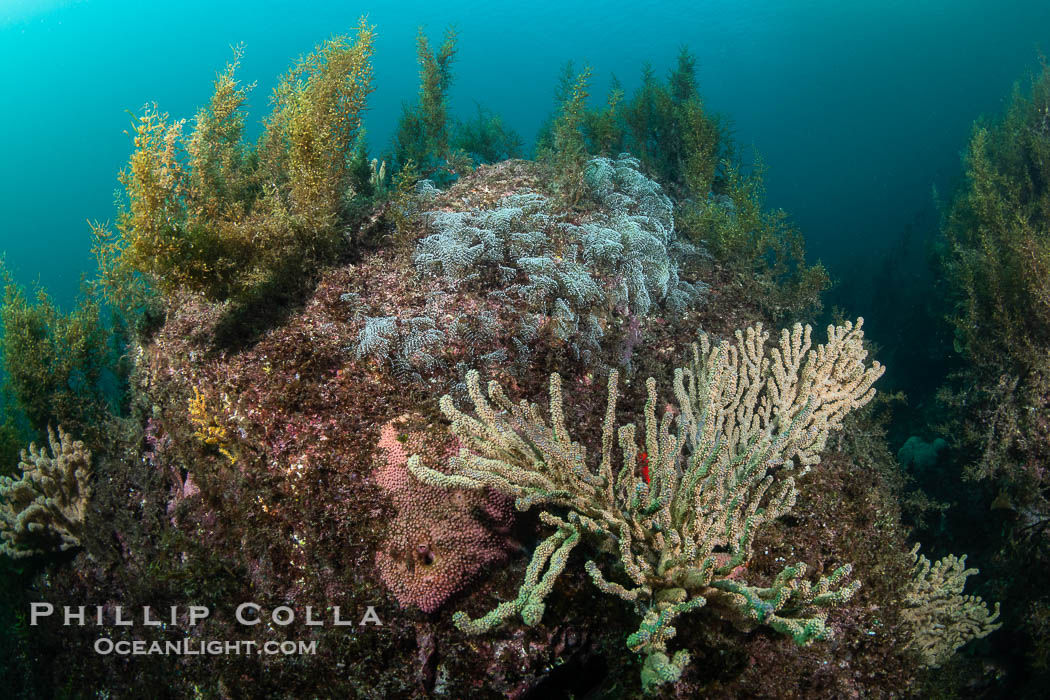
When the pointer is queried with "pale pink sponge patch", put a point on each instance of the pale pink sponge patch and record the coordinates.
(440, 538)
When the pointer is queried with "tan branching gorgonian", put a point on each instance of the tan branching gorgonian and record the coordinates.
(43, 510)
(939, 617)
(683, 510)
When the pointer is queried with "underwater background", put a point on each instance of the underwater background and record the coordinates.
(219, 380)
(858, 109)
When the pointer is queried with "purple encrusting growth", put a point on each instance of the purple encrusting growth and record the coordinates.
(440, 539)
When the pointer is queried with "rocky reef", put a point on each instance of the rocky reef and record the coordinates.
(275, 471)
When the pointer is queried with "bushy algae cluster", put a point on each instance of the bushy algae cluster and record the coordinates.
(279, 370)
(995, 257)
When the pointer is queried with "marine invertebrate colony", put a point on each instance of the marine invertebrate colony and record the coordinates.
(940, 617)
(440, 538)
(623, 258)
(44, 509)
(714, 469)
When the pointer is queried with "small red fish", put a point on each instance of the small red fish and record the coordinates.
(645, 466)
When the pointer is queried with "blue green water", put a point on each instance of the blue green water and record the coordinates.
(857, 108)
(860, 111)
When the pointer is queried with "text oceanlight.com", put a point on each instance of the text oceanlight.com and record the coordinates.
(191, 647)
(189, 617)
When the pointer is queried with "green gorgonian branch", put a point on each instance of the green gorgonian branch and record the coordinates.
(682, 511)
